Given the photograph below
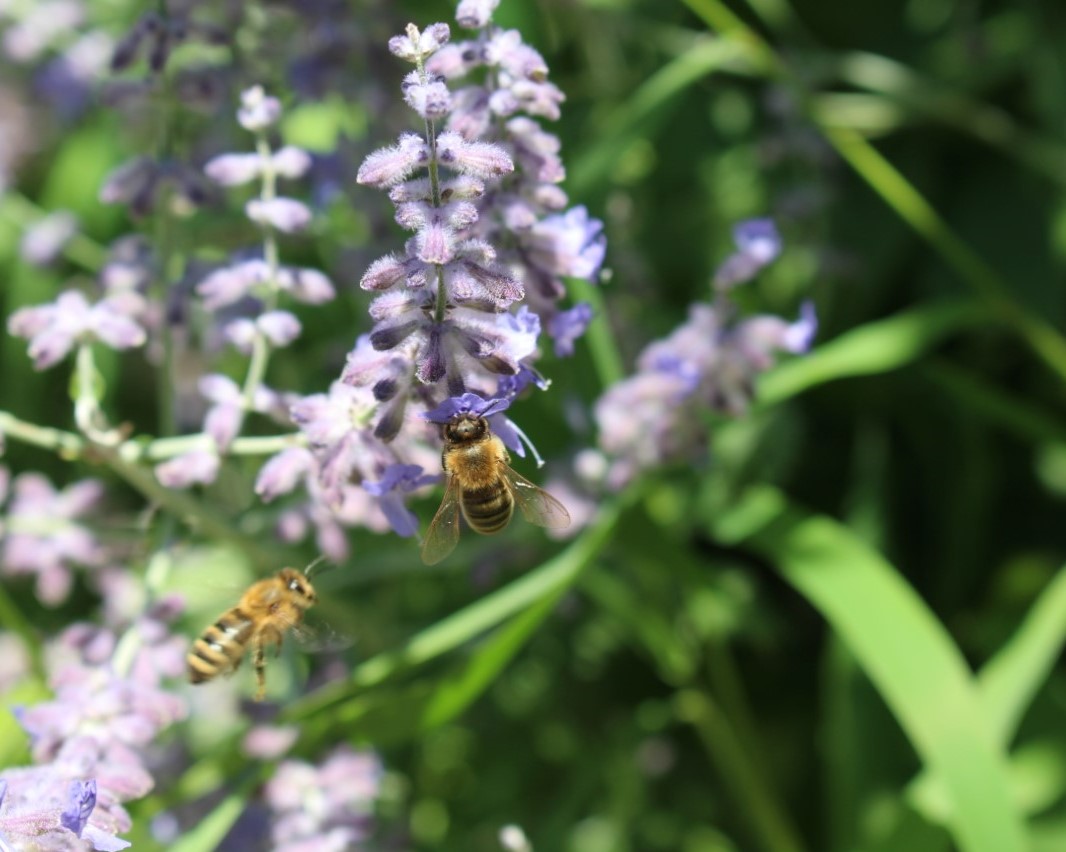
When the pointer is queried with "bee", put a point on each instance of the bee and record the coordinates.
(261, 617)
(482, 484)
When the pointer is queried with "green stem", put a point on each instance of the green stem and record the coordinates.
(606, 357)
(261, 349)
(767, 820)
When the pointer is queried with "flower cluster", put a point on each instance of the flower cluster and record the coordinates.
(326, 807)
(709, 363)
(41, 533)
(245, 294)
(55, 328)
(89, 743)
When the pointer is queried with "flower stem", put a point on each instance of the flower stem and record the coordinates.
(767, 819)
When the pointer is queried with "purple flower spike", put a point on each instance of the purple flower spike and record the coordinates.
(81, 801)
(398, 480)
(758, 244)
(468, 403)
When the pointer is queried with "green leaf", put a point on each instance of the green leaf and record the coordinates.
(904, 650)
(550, 579)
(1008, 683)
(876, 347)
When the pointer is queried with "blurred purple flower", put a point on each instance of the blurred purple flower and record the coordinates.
(44, 241)
(284, 214)
(709, 363)
(397, 480)
(569, 244)
(53, 329)
(42, 536)
(87, 741)
(324, 807)
(758, 244)
(567, 326)
(258, 111)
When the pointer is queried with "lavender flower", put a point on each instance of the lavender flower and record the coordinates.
(42, 536)
(86, 742)
(708, 364)
(55, 328)
(44, 241)
(325, 807)
(758, 244)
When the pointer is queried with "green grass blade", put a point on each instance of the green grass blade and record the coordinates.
(876, 347)
(904, 650)
(550, 578)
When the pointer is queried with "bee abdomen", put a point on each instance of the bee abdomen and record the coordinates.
(488, 510)
(220, 647)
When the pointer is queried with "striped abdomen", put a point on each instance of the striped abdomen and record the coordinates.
(220, 648)
(488, 509)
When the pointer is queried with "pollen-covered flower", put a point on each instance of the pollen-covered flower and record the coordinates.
(55, 328)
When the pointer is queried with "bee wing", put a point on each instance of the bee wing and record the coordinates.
(443, 532)
(321, 638)
(537, 505)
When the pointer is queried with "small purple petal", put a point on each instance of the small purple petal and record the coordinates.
(80, 803)
(291, 162)
(197, 467)
(282, 473)
(758, 243)
(234, 169)
(284, 214)
(258, 111)
(44, 240)
(222, 423)
(800, 334)
(389, 166)
(758, 238)
(474, 14)
(308, 285)
(468, 403)
(567, 326)
(279, 327)
(480, 159)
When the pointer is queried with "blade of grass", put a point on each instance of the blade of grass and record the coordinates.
(904, 650)
(896, 191)
(875, 347)
(550, 578)
(620, 128)
(1008, 683)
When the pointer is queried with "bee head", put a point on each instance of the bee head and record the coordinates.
(465, 429)
(300, 586)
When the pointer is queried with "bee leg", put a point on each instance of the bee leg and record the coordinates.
(260, 668)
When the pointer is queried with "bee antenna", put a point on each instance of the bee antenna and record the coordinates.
(310, 568)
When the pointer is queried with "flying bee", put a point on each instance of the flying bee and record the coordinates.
(482, 485)
(265, 612)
